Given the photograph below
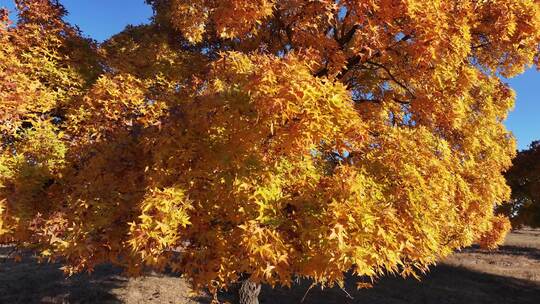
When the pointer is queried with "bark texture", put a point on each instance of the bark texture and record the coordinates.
(249, 292)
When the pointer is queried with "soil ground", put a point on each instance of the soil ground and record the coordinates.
(510, 274)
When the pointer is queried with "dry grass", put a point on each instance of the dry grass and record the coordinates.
(519, 257)
(508, 275)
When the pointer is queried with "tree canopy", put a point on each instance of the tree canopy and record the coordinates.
(524, 179)
(277, 138)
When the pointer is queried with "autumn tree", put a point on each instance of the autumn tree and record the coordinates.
(524, 179)
(267, 139)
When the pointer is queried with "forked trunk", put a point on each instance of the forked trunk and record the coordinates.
(249, 292)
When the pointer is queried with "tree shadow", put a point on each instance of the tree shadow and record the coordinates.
(526, 231)
(528, 252)
(28, 281)
(444, 284)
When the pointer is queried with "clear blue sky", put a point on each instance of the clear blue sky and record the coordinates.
(524, 120)
(101, 18)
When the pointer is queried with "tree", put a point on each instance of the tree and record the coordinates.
(524, 179)
(268, 139)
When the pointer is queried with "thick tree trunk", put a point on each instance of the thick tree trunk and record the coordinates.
(249, 292)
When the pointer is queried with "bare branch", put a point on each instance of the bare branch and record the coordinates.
(307, 291)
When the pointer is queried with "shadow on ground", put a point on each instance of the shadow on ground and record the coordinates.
(30, 282)
(528, 252)
(443, 285)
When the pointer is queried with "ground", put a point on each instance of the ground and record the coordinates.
(510, 274)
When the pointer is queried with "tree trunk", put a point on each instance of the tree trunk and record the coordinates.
(249, 292)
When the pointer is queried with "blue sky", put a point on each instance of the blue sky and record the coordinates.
(524, 120)
(101, 18)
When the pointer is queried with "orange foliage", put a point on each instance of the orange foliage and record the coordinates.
(276, 138)
(500, 225)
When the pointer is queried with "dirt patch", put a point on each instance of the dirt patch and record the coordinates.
(508, 275)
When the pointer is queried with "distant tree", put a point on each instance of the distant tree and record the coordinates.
(524, 179)
(266, 139)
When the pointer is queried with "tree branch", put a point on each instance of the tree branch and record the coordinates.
(392, 77)
(348, 37)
